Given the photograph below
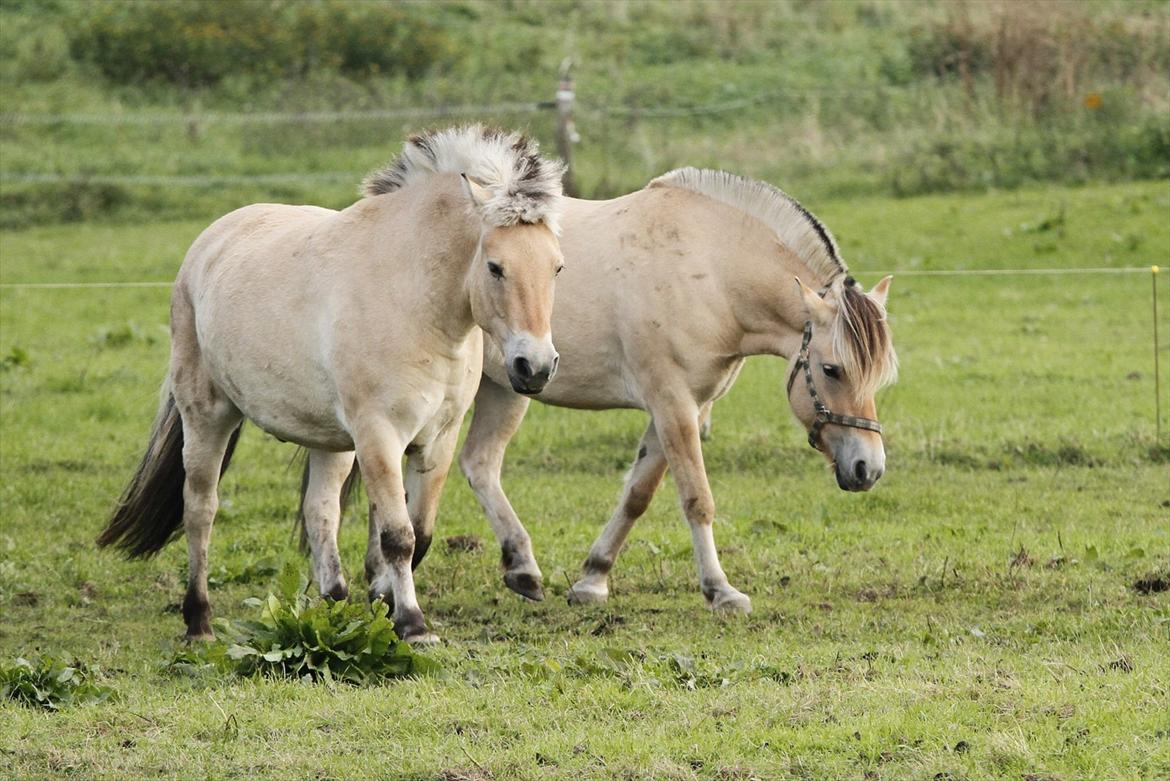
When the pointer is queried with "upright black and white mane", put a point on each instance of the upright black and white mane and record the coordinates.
(861, 336)
(525, 187)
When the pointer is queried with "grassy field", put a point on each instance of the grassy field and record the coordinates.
(973, 617)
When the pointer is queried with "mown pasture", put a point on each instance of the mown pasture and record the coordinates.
(974, 617)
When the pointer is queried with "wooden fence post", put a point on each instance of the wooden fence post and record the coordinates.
(566, 130)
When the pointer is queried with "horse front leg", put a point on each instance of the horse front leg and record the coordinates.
(642, 481)
(498, 414)
(677, 423)
(390, 550)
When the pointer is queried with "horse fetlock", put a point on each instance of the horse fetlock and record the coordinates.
(725, 599)
(381, 592)
(589, 590)
(338, 592)
(412, 628)
(197, 614)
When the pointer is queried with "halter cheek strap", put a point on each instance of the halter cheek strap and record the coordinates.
(823, 414)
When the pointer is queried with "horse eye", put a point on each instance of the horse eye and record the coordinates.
(495, 270)
(831, 371)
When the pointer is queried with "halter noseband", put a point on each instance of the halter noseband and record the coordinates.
(823, 414)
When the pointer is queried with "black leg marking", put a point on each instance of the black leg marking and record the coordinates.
(388, 598)
(338, 593)
(598, 565)
(708, 591)
(410, 625)
(422, 543)
(197, 614)
(525, 584)
(397, 545)
(508, 554)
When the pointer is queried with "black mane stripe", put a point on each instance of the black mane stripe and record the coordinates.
(795, 226)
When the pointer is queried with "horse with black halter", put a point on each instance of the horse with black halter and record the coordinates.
(665, 292)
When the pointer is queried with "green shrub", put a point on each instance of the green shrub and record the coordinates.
(300, 637)
(51, 683)
(196, 43)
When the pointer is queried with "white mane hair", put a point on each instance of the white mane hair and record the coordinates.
(525, 187)
(793, 224)
(860, 333)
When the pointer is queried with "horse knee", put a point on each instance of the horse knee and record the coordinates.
(397, 544)
(699, 509)
(480, 469)
(638, 500)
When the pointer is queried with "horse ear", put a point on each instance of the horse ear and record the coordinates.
(478, 194)
(819, 310)
(880, 291)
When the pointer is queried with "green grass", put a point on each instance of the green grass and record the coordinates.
(973, 617)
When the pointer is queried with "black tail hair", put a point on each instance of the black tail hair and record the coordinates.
(150, 513)
(351, 482)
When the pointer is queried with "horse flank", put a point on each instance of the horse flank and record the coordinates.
(526, 188)
(860, 333)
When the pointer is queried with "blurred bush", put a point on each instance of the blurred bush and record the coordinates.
(1036, 53)
(196, 43)
(826, 99)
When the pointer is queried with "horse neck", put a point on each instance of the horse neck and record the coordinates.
(442, 242)
(769, 307)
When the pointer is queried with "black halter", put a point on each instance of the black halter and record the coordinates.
(823, 414)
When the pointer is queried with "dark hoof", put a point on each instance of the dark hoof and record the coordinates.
(413, 629)
(339, 592)
(204, 636)
(525, 584)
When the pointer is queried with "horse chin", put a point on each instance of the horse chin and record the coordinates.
(523, 389)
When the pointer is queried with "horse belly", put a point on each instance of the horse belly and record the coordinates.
(284, 397)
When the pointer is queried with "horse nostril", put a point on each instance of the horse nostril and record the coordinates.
(556, 362)
(522, 368)
(859, 471)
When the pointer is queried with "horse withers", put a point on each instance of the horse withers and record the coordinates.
(353, 330)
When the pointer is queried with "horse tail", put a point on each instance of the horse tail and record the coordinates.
(351, 482)
(150, 512)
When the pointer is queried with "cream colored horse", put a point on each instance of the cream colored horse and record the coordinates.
(665, 292)
(353, 330)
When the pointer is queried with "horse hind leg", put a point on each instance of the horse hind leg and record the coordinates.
(498, 414)
(678, 430)
(208, 435)
(390, 549)
(641, 483)
(426, 473)
(321, 506)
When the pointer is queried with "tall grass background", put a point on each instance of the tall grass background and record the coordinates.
(825, 99)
